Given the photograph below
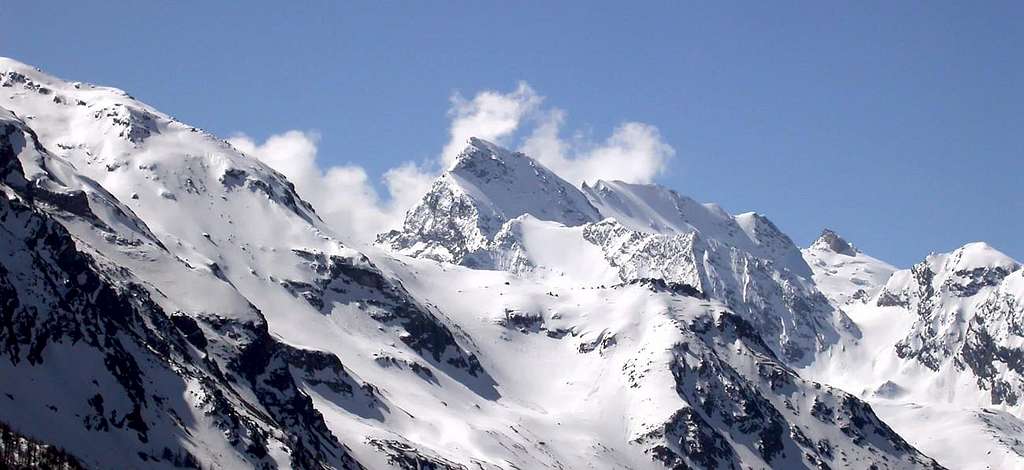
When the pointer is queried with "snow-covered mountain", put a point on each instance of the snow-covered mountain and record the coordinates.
(940, 350)
(171, 302)
(476, 199)
(191, 302)
(842, 272)
(651, 208)
(614, 232)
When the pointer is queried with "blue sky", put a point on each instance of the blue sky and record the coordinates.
(898, 124)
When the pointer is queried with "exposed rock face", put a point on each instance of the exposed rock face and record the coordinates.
(968, 307)
(640, 255)
(991, 346)
(745, 400)
(945, 292)
(355, 280)
(787, 310)
(406, 457)
(831, 241)
(18, 451)
(941, 342)
(650, 208)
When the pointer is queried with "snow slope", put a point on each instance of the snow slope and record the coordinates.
(638, 375)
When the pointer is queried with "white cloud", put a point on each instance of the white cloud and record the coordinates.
(342, 195)
(345, 197)
(635, 152)
(292, 153)
(406, 184)
(490, 115)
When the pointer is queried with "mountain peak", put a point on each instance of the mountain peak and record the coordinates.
(475, 145)
(485, 188)
(972, 256)
(479, 152)
(13, 65)
(14, 73)
(512, 184)
(831, 241)
(484, 160)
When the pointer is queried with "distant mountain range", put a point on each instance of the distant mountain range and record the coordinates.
(167, 301)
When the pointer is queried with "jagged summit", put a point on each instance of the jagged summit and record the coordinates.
(652, 208)
(509, 184)
(28, 72)
(477, 148)
(489, 186)
(842, 272)
(831, 241)
(467, 206)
